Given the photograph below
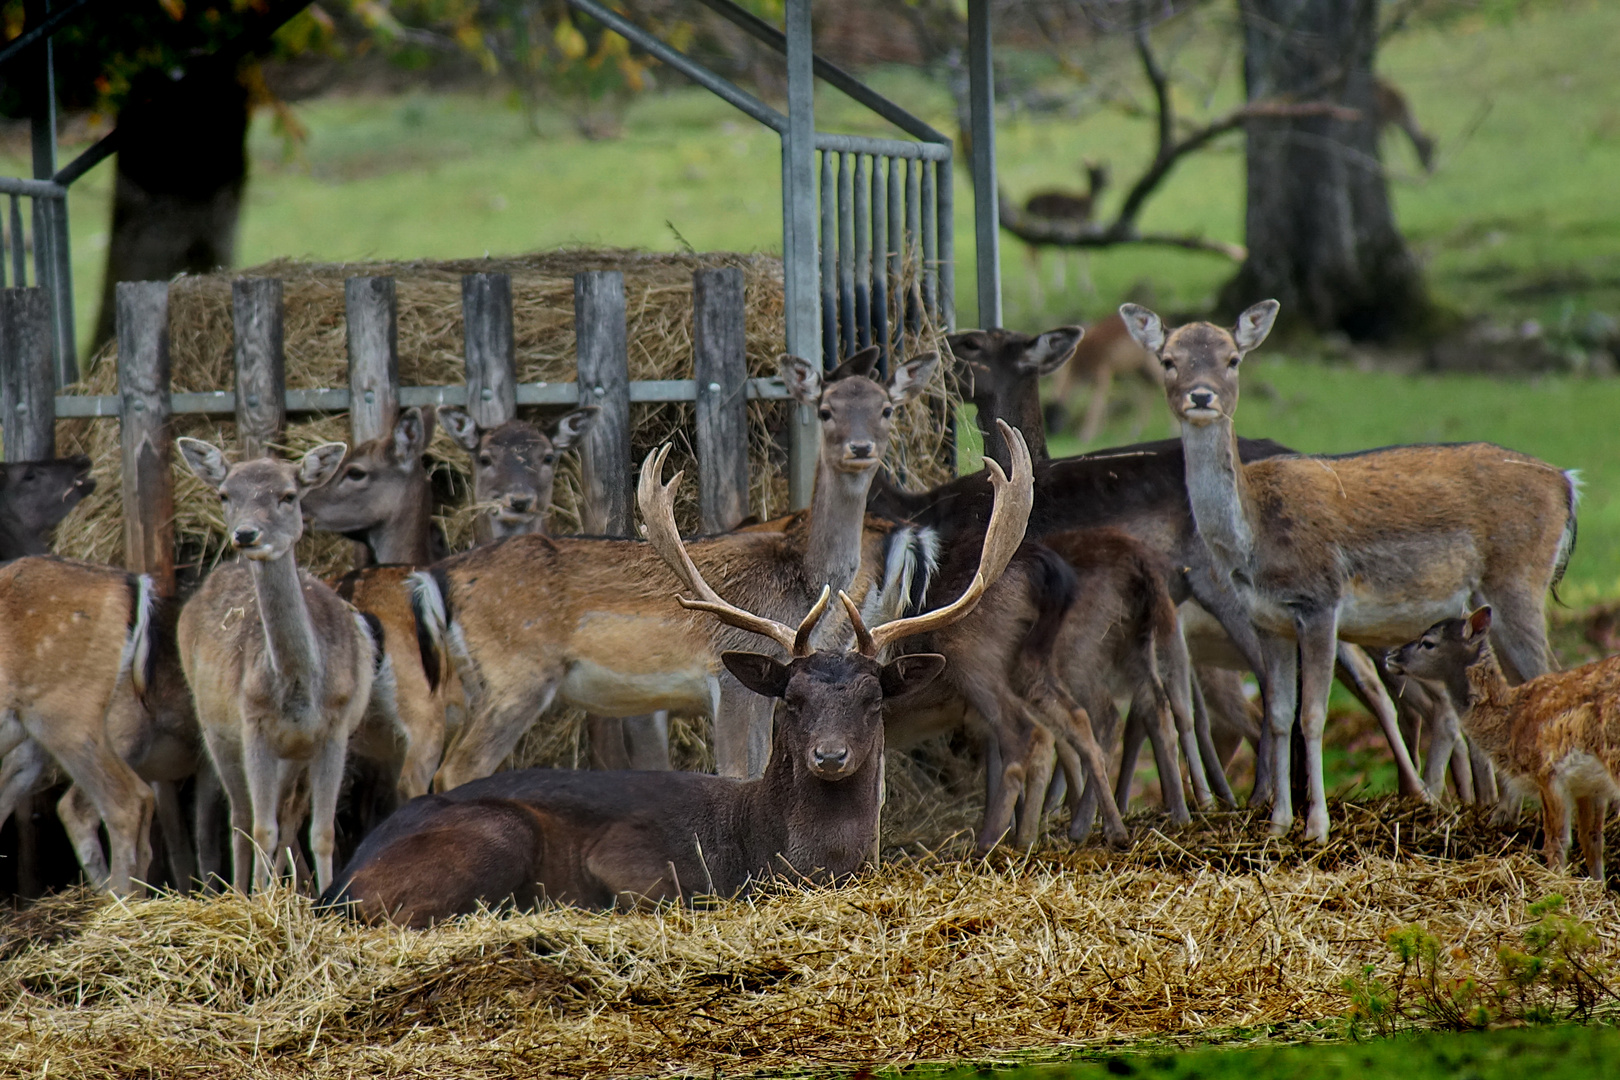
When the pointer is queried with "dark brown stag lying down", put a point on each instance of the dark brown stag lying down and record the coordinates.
(598, 839)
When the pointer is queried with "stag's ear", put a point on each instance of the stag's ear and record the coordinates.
(967, 341)
(764, 675)
(1477, 624)
(573, 427)
(321, 464)
(1143, 326)
(802, 377)
(907, 674)
(1254, 324)
(859, 366)
(460, 427)
(907, 380)
(1051, 350)
(205, 460)
(412, 433)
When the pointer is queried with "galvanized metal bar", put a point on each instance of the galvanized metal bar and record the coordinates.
(104, 148)
(866, 144)
(863, 251)
(67, 349)
(34, 189)
(914, 244)
(879, 270)
(947, 244)
(929, 270)
(802, 295)
(834, 76)
(846, 253)
(721, 88)
(43, 29)
(53, 269)
(897, 257)
(829, 263)
(982, 110)
(19, 255)
(43, 264)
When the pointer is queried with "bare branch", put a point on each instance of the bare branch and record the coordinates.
(1052, 232)
(1161, 91)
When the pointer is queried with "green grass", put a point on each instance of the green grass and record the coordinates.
(1554, 1053)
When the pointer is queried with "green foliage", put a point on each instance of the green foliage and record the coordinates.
(1555, 977)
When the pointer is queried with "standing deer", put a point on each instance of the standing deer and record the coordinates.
(1370, 547)
(532, 619)
(1560, 730)
(1108, 350)
(1001, 371)
(280, 668)
(1058, 205)
(604, 839)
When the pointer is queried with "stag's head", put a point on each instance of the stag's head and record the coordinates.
(261, 497)
(856, 412)
(830, 721)
(376, 478)
(37, 495)
(515, 464)
(1200, 360)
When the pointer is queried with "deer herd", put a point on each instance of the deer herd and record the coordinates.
(1019, 603)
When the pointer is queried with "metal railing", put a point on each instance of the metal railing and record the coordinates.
(46, 235)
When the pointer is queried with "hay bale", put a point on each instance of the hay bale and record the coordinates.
(658, 296)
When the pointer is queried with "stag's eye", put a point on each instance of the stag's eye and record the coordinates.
(1428, 644)
(485, 460)
(825, 414)
(1168, 365)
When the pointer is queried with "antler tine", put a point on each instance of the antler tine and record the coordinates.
(801, 640)
(657, 502)
(1014, 498)
(863, 636)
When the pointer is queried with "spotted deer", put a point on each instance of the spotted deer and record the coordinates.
(630, 838)
(1369, 547)
(1559, 730)
(532, 620)
(280, 668)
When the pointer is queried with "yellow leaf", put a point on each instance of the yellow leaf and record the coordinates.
(570, 40)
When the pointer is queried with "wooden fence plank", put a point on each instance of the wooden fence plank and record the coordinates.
(604, 381)
(143, 386)
(372, 316)
(720, 365)
(27, 375)
(261, 368)
(486, 313)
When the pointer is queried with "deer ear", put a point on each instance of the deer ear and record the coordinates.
(1478, 623)
(802, 377)
(460, 427)
(321, 464)
(1051, 350)
(858, 366)
(1254, 324)
(412, 433)
(907, 380)
(764, 675)
(906, 674)
(205, 460)
(574, 427)
(1143, 326)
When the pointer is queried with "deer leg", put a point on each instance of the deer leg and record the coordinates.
(1485, 784)
(268, 777)
(1282, 681)
(226, 756)
(78, 816)
(1462, 770)
(1555, 825)
(1318, 644)
(207, 797)
(1172, 690)
(24, 764)
(325, 781)
(491, 733)
(992, 769)
(1591, 810)
(606, 735)
(1097, 407)
(1161, 729)
(1360, 674)
(1057, 792)
(1037, 776)
(1130, 751)
(742, 731)
(1073, 773)
(422, 722)
(647, 741)
(1214, 757)
(176, 838)
(1036, 295)
(1095, 763)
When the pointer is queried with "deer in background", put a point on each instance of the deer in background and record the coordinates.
(1000, 372)
(1058, 205)
(1560, 730)
(34, 498)
(1369, 547)
(1392, 110)
(515, 467)
(633, 838)
(1108, 350)
(280, 668)
(589, 621)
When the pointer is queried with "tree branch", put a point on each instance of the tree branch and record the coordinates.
(1053, 232)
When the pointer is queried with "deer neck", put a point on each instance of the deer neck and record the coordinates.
(1483, 699)
(406, 537)
(802, 823)
(832, 553)
(289, 634)
(1219, 496)
(1022, 410)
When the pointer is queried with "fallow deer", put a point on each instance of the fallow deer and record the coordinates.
(1000, 371)
(280, 668)
(1107, 350)
(532, 619)
(70, 633)
(1559, 730)
(1059, 205)
(1368, 547)
(1392, 110)
(604, 839)
(515, 467)
(34, 498)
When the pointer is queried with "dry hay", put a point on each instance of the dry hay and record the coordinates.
(929, 958)
(658, 297)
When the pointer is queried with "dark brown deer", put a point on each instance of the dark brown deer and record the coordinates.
(34, 498)
(530, 620)
(1000, 371)
(1370, 547)
(1056, 204)
(515, 467)
(1560, 730)
(629, 838)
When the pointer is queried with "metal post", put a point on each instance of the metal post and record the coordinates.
(986, 213)
(801, 289)
(53, 264)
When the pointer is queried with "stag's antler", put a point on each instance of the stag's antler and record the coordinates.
(657, 501)
(1009, 515)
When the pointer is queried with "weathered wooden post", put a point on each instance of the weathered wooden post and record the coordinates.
(604, 381)
(372, 317)
(261, 367)
(720, 366)
(143, 390)
(486, 314)
(27, 375)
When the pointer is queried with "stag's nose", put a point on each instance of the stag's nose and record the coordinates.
(861, 450)
(520, 504)
(244, 538)
(1201, 399)
(831, 760)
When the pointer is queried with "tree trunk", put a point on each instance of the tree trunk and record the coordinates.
(1321, 235)
(182, 163)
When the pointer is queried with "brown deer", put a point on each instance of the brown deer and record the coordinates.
(70, 633)
(1108, 350)
(34, 498)
(1559, 730)
(1000, 372)
(1058, 205)
(606, 839)
(515, 467)
(530, 620)
(280, 668)
(1370, 547)
(1392, 110)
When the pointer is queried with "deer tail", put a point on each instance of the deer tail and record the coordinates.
(1566, 542)
(1054, 587)
(431, 615)
(139, 653)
